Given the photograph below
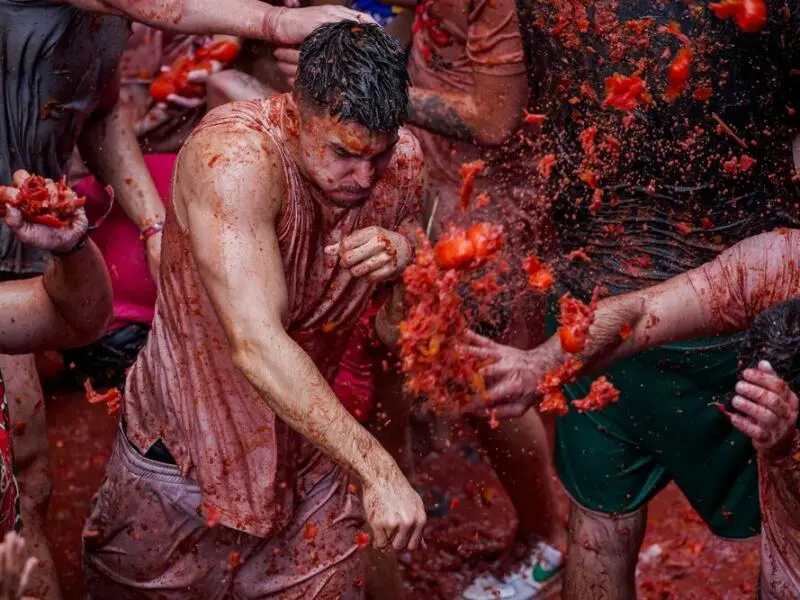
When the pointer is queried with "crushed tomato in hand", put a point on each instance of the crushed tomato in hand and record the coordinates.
(110, 397)
(575, 319)
(468, 172)
(601, 394)
(38, 205)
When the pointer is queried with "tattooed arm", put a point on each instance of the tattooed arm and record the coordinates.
(493, 109)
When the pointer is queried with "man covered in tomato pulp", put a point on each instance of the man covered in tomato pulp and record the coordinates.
(231, 473)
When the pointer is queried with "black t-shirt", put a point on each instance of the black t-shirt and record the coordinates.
(676, 180)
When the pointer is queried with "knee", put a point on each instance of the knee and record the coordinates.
(607, 534)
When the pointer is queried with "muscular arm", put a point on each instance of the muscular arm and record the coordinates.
(231, 210)
(241, 18)
(69, 305)
(487, 116)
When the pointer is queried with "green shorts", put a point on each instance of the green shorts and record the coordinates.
(661, 430)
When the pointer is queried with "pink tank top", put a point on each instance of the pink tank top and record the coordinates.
(184, 387)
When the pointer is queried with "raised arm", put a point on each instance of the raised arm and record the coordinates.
(243, 18)
(231, 210)
(493, 109)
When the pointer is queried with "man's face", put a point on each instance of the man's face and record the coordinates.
(345, 160)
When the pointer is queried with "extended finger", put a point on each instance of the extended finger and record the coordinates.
(748, 427)
(401, 537)
(370, 265)
(8, 194)
(287, 55)
(416, 540)
(185, 102)
(20, 177)
(360, 237)
(27, 572)
(478, 340)
(383, 273)
(757, 412)
(767, 380)
(351, 257)
(763, 397)
(379, 537)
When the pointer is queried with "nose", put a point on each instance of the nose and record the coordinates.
(364, 174)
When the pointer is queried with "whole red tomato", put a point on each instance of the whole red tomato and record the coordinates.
(454, 253)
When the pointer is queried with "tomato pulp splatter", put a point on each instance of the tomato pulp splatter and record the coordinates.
(468, 172)
(749, 15)
(39, 205)
(678, 73)
(575, 319)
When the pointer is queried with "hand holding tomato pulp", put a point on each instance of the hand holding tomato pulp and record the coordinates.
(43, 201)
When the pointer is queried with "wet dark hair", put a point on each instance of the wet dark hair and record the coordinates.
(356, 72)
(774, 336)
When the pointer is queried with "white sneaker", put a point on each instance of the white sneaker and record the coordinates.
(537, 578)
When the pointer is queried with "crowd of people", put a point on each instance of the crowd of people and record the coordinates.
(212, 209)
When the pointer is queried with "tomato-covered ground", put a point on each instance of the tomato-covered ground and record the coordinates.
(681, 560)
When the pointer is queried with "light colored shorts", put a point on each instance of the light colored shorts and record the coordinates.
(145, 539)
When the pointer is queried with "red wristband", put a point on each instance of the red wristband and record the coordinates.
(151, 231)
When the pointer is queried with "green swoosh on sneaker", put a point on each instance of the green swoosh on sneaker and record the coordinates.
(540, 575)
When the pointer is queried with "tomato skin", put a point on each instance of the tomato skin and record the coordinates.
(749, 15)
(678, 73)
(222, 51)
(752, 16)
(572, 340)
(48, 220)
(486, 238)
(162, 87)
(454, 253)
(542, 279)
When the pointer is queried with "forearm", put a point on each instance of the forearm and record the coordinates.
(294, 389)
(781, 472)
(79, 289)
(111, 150)
(447, 114)
(459, 116)
(241, 18)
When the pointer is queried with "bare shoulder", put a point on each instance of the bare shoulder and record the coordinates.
(232, 160)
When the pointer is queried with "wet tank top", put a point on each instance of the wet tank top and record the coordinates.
(185, 389)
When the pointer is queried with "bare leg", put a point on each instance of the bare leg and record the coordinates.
(602, 554)
(518, 451)
(29, 435)
(389, 425)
